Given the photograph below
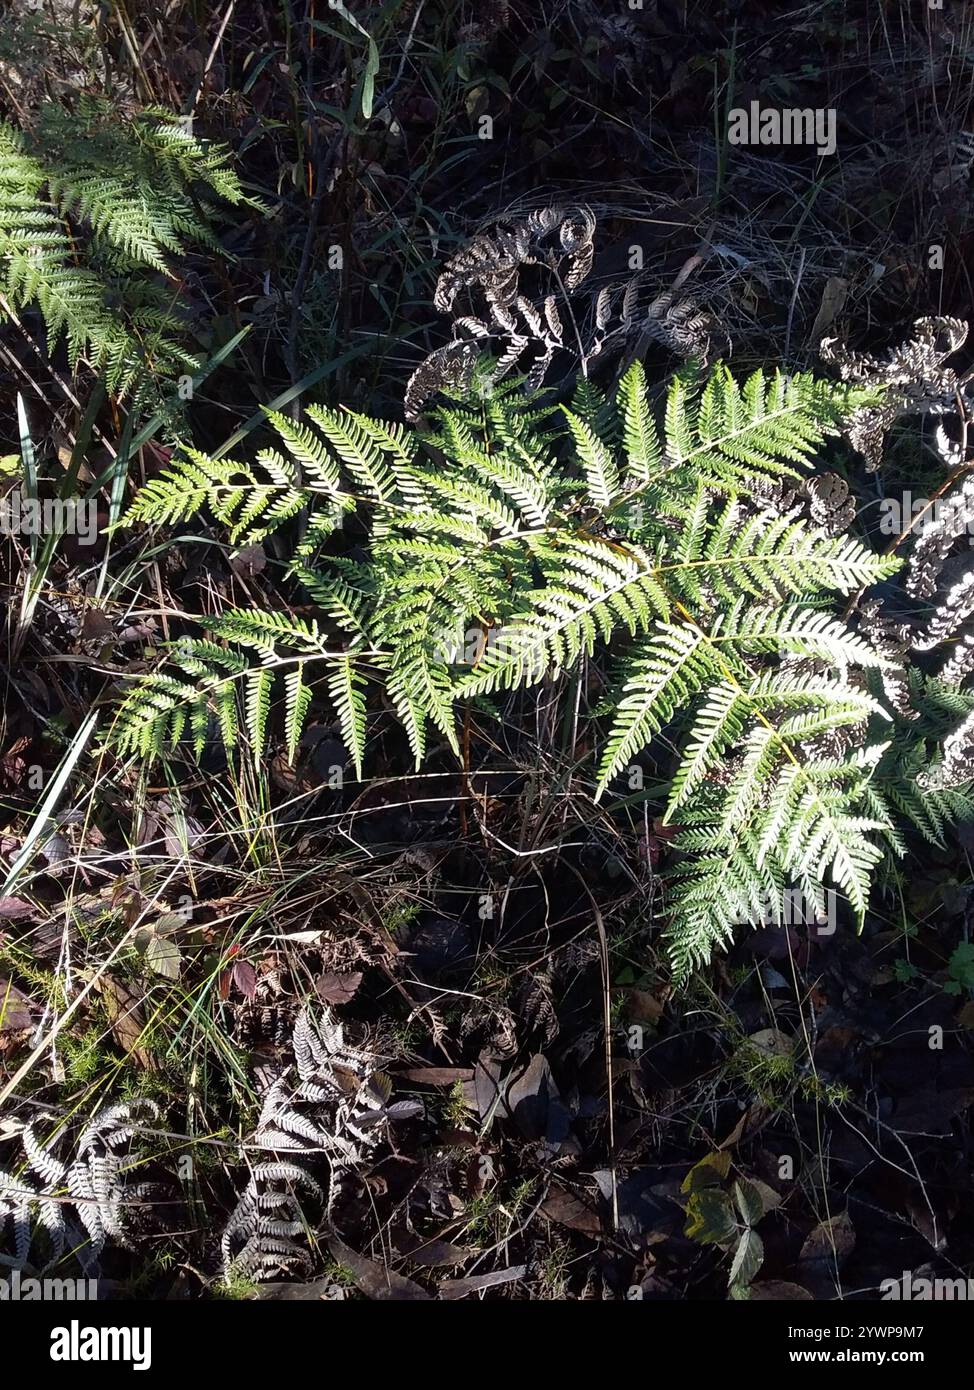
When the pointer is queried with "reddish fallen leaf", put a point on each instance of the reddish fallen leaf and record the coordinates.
(245, 978)
(338, 989)
(643, 1006)
(138, 632)
(15, 909)
(96, 626)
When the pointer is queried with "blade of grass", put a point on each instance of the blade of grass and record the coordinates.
(51, 797)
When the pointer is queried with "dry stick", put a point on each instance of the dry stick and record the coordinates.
(198, 91)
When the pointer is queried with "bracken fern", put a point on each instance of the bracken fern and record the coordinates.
(95, 209)
(557, 533)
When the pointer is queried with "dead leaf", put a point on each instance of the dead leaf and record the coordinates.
(126, 1018)
(436, 1253)
(321, 1290)
(374, 1279)
(833, 299)
(534, 1103)
(483, 1091)
(138, 632)
(245, 978)
(14, 1008)
(750, 1122)
(772, 1042)
(437, 1076)
(338, 989)
(828, 1245)
(459, 1288)
(568, 1210)
(96, 626)
(780, 1291)
(643, 1006)
(15, 909)
(249, 561)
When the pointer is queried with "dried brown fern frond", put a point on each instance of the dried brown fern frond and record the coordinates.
(492, 261)
(559, 241)
(918, 383)
(912, 372)
(330, 1104)
(936, 540)
(92, 1183)
(824, 500)
(957, 765)
(517, 316)
(890, 637)
(675, 322)
(451, 366)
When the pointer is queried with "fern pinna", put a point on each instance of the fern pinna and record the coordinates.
(553, 533)
(95, 208)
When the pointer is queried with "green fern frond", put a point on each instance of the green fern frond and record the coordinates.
(258, 705)
(553, 540)
(643, 449)
(601, 470)
(93, 206)
(298, 701)
(346, 686)
(666, 671)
